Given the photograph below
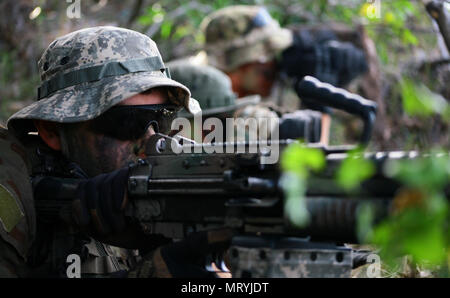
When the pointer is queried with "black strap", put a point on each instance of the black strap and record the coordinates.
(95, 73)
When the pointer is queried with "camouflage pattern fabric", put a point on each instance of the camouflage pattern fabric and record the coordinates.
(292, 263)
(88, 71)
(17, 216)
(241, 34)
(103, 259)
(18, 221)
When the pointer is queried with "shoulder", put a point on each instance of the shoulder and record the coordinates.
(17, 215)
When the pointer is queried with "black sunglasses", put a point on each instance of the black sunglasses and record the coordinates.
(132, 122)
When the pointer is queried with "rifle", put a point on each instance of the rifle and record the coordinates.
(173, 194)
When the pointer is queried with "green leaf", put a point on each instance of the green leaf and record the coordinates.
(412, 103)
(418, 100)
(296, 161)
(298, 158)
(415, 232)
(145, 20)
(295, 210)
(430, 173)
(166, 29)
(365, 220)
(408, 37)
(354, 170)
(182, 31)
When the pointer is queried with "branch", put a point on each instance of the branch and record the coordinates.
(439, 13)
(135, 13)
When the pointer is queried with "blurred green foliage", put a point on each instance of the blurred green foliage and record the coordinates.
(392, 24)
(296, 162)
(420, 215)
(398, 28)
(418, 100)
(354, 170)
(17, 84)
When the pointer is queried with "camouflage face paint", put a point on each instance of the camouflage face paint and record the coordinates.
(97, 153)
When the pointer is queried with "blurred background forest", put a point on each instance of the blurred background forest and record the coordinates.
(408, 78)
(409, 75)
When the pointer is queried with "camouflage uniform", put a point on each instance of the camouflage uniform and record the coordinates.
(212, 88)
(83, 74)
(240, 34)
(17, 216)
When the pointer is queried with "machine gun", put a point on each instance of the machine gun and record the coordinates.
(209, 186)
(176, 194)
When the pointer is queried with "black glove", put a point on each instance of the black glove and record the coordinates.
(327, 59)
(186, 258)
(100, 202)
(345, 62)
(323, 57)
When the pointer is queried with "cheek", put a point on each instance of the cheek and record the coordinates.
(264, 85)
(111, 154)
(251, 83)
(256, 83)
(128, 151)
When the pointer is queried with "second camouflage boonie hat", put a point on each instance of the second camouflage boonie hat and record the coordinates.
(211, 87)
(86, 72)
(241, 34)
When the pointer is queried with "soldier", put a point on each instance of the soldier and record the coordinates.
(212, 88)
(254, 51)
(105, 91)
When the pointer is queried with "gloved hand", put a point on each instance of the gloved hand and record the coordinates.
(100, 202)
(186, 258)
(330, 61)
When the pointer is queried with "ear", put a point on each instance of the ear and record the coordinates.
(48, 131)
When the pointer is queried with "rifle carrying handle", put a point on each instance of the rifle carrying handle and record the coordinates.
(338, 98)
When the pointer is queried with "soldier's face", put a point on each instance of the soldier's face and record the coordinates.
(255, 78)
(98, 153)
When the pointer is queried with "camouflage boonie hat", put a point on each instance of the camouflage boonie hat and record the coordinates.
(241, 34)
(211, 87)
(86, 72)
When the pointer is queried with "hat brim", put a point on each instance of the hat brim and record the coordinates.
(86, 101)
(239, 103)
(263, 48)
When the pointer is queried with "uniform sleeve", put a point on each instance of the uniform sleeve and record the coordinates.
(17, 215)
(11, 264)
